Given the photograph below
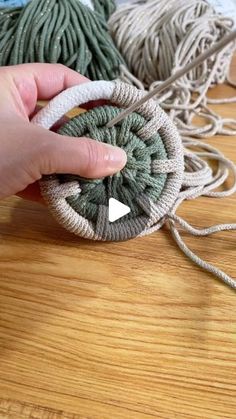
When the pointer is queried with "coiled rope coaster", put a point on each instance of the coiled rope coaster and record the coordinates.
(160, 173)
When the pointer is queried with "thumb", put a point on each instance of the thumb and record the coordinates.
(82, 156)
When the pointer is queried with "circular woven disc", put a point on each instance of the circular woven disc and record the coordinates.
(149, 183)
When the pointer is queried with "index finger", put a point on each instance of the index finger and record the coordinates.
(40, 81)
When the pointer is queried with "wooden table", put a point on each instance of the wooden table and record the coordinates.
(116, 330)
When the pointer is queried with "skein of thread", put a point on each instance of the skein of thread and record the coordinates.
(61, 31)
(157, 37)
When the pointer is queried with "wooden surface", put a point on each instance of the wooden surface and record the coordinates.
(116, 330)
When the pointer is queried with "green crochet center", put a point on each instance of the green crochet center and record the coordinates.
(134, 179)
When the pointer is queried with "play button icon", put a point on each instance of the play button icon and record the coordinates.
(117, 210)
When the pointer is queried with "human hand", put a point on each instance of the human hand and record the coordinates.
(28, 151)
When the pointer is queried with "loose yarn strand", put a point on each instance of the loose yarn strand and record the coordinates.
(206, 188)
(196, 259)
(198, 181)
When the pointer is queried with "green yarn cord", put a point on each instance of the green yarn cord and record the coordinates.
(135, 178)
(60, 31)
(104, 8)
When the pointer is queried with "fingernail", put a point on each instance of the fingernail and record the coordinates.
(116, 157)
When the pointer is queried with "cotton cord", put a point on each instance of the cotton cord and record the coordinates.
(156, 38)
(161, 171)
(148, 137)
(140, 174)
(61, 31)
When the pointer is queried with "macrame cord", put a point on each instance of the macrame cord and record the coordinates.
(70, 32)
(156, 38)
(161, 170)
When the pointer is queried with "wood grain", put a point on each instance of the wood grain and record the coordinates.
(116, 330)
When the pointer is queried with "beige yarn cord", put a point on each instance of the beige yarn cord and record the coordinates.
(189, 175)
(156, 38)
(203, 184)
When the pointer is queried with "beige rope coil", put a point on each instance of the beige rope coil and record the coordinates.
(156, 38)
(186, 170)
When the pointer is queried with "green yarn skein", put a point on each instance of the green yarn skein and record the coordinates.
(61, 31)
(104, 8)
(134, 179)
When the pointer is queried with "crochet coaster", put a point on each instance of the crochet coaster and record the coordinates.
(149, 183)
(161, 171)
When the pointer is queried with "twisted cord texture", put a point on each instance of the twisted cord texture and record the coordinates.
(161, 171)
(156, 38)
(60, 31)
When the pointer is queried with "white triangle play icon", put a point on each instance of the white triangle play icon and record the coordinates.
(117, 210)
